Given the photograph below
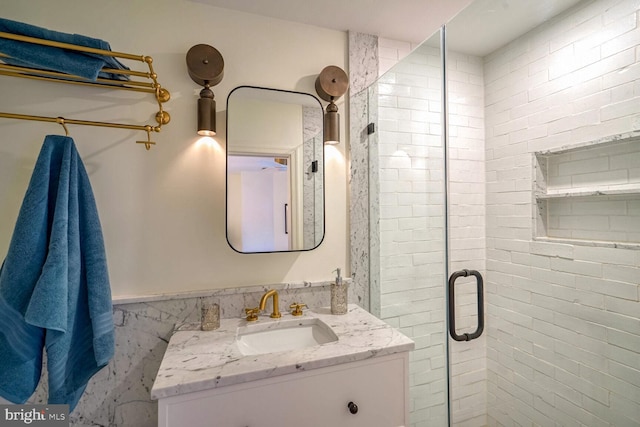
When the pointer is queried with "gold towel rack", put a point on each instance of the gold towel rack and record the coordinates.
(147, 81)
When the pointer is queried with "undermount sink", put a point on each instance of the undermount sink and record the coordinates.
(283, 335)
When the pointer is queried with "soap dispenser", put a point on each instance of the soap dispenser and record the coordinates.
(338, 295)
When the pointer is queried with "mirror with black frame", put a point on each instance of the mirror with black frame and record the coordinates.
(275, 170)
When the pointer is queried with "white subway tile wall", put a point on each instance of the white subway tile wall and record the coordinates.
(595, 219)
(563, 320)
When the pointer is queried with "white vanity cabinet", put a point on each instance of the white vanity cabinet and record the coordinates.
(316, 398)
(360, 378)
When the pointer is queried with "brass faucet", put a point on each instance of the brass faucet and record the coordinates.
(263, 302)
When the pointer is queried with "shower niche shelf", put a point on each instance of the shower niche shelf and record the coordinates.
(589, 194)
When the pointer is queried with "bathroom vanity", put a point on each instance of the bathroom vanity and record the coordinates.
(316, 369)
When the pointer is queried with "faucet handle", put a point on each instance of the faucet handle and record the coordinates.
(252, 314)
(297, 308)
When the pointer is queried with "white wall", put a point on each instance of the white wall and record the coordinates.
(163, 211)
(563, 320)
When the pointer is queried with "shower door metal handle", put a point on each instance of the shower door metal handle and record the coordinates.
(452, 305)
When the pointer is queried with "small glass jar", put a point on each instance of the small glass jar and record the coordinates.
(209, 314)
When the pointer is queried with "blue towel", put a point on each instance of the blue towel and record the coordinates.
(54, 284)
(87, 65)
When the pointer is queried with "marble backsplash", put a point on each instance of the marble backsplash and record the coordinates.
(119, 395)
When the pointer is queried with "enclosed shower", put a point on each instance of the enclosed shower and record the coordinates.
(496, 212)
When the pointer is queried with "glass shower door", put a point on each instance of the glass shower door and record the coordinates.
(427, 223)
(408, 221)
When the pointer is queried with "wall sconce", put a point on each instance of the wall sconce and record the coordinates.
(331, 84)
(206, 67)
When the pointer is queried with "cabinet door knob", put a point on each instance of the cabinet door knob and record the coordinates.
(353, 408)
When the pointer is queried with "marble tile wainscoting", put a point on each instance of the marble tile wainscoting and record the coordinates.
(119, 395)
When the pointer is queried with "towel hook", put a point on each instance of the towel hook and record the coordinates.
(148, 143)
(60, 121)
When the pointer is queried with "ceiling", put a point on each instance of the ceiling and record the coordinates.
(487, 25)
(498, 21)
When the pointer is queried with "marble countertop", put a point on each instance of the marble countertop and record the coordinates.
(200, 360)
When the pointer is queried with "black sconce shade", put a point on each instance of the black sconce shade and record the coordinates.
(206, 113)
(332, 125)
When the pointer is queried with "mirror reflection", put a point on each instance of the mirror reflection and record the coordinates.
(275, 170)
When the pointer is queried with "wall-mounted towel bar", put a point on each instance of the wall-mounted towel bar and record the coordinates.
(62, 121)
(124, 79)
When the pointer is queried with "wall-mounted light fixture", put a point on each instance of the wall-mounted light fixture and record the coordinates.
(206, 67)
(331, 84)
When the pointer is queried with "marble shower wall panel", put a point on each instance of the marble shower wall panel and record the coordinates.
(363, 66)
(363, 61)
